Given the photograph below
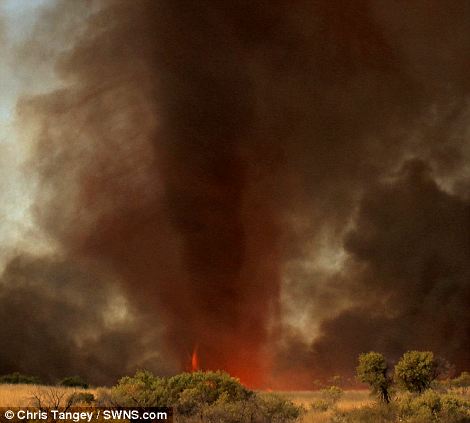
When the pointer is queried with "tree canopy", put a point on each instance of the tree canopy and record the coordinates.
(416, 370)
(372, 369)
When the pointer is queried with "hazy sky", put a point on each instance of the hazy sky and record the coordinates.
(19, 20)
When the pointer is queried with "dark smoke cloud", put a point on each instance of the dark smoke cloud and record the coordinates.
(208, 152)
(61, 318)
(408, 274)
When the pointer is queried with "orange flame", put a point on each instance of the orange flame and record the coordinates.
(194, 361)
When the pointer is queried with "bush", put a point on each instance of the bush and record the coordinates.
(206, 394)
(379, 413)
(454, 406)
(426, 407)
(462, 382)
(224, 411)
(143, 390)
(433, 407)
(328, 398)
(332, 394)
(276, 409)
(416, 371)
(104, 398)
(189, 391)
(74, 381)
(259, 408)
(213, 397)
(17, 378)
(80, 398)
(320, 405)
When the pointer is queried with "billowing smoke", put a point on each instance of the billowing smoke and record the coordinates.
(62, 318)
(216, 156)
(407, 276)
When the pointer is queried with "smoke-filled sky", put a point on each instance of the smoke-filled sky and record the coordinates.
(277, 185)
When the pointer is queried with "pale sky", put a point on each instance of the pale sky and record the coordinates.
(18, 18)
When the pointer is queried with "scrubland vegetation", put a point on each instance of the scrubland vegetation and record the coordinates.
(416, 390)
(411, 393)
(211, 397)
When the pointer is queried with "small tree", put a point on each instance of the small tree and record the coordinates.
(44, 397)
(372, 369)
(416, 370)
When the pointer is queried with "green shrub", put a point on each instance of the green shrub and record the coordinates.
(190, 393)
(191, 390)
(212, 397)
(416, 370)
(455, 406)
(259, 408)
(277, 409)
(74, 381)
(433, 407)
(143, 389)
(225, 411)
(17, 378)
(427, 406)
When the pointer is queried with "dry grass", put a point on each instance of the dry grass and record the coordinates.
(16, 395)
(24, 395)
(351, 399)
